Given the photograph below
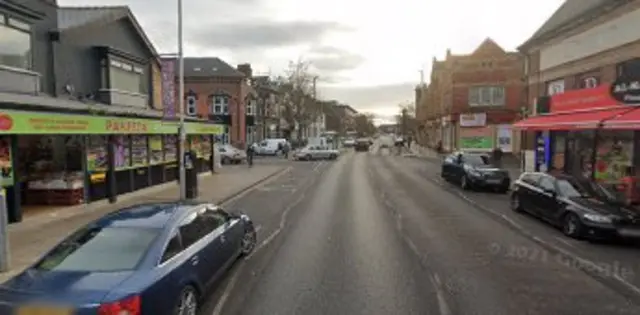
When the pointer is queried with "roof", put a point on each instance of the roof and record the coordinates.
(569, 11)
(209, 67)
(488, 47)
(75, 17)
(147, 215)
(347, 107)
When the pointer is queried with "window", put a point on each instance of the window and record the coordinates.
(191, 105)
(220, 105)
(15, 43)
(546, 183)
(100, 249)
(213, 219)
(589, 83)
(486, 96)
(174, 247)
(123, 77)
(630, 69)
(195, 227)
(555, 87)
(251, 107)
(531, 178)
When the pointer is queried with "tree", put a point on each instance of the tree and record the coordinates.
(406, 119)
(297, 87)
(364, 125)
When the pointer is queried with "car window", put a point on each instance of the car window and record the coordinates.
(213, 218)
(573, 189)
(100, 249)
(531, 179)
(194, 228)
(546, 183)
(473, 159)
(222, 150)
(174, 247)
(450, 159)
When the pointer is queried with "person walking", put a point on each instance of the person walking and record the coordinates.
(250, 153)
(285, 150)
(497, 156)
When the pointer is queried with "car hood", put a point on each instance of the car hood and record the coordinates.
(67, 286)
(603, 207)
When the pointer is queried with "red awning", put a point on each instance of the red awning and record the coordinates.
(629, 120)
(570, 121)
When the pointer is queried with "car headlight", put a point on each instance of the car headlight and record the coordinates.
(597, 218)
(474, 173)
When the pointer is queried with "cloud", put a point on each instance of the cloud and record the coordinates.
(262, 33)
(380, 100)
(327, 59)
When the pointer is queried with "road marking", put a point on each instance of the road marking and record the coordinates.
(440, 295)
(564, 241)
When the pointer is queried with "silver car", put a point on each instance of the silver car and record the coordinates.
(230, 154)
(316, 152)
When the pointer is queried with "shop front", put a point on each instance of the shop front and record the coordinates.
(590, 132)
(51, 160)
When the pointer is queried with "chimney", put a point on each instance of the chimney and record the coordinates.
(246, 69)
(448, 53)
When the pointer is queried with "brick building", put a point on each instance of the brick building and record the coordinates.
(472, 100)
(219, 92)
(582, 71)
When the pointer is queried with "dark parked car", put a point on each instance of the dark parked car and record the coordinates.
(581, 208)
(362, 145)
(474, 171)
(156, 259)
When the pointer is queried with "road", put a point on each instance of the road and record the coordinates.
(371, 234)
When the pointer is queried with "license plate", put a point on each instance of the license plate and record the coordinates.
(44, 310)
(494, 181)
(629, 232)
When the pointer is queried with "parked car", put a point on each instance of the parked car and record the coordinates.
(153, 259)
(314, 152)
(271, 146)
(348, 143)
(474, 171)
(230, 154)
(580, 207)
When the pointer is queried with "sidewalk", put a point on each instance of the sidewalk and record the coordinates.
(28, 240)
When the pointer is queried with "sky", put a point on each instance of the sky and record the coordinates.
(367, 53)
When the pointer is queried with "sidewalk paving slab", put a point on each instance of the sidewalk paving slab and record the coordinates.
(30, 239)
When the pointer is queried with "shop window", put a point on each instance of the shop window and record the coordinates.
(6, 164)
(15, 43)
(614, 154)
(156, 153)
(170, 148)
(122, 151)
(97, 154)
(139, 151)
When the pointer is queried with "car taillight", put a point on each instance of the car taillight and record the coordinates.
(128, 306)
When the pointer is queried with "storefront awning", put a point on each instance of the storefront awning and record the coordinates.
(570, 121)
(629, 120)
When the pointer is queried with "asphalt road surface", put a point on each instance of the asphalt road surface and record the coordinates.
(368, 234)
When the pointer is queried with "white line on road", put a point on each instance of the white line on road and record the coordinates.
(440, 294)
(564, 241)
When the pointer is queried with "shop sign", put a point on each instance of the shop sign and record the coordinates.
(583, 99)
(476, 139)
(543, 151)
(23, 122)
(473, 120)
(504, 137)
(626, 91)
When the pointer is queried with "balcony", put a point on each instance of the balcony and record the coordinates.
(117, 97)
(19, 80)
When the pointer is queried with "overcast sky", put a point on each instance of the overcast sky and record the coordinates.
(368, 53)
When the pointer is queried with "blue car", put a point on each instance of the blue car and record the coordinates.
(149, 259)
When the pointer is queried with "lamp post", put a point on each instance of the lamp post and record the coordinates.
(183, 135)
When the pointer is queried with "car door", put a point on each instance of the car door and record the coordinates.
(222, 245)
(457, 167)
(544, 198)
(526, 189)
(447, 166)
(194, 234)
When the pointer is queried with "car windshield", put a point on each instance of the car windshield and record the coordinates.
(100, 249)
(584, 189)
(476, 160)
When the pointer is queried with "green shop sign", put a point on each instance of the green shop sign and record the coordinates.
(23, 122)
(478, 142)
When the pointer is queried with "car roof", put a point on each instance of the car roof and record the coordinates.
(147, 215)
(554, 175)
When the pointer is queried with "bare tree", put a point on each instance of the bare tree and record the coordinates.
(406, 119)
(297, 87)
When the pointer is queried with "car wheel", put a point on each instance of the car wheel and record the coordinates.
(308, 157)
(225, 160)
(188, 302)
(515, 203)
(464, 183)
(571, 226)
(249, 240)
(333, 157)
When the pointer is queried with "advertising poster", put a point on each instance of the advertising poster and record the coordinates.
(170, 148)
(504, 137)
(476, 139)
(97, 154)
(6, 165)
(194, 144)
(122, 150)
(139, 151)
(155, 150)
(205, 145)
(168, 87)
(613, 157)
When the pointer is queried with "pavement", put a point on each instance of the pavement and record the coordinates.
(33, 237)
(374, 233)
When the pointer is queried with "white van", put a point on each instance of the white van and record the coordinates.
(269, 146)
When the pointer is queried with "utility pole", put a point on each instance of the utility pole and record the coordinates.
(183, 134)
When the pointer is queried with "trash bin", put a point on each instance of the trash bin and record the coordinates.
(191, 173)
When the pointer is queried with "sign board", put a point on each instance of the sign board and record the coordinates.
(473, 120)
(24, 122)
(626, 91)
(169, 87)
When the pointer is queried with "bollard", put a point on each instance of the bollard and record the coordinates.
(4, 233)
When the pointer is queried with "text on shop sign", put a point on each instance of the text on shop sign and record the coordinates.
(58, 124)
(626, 91)
(126, 126)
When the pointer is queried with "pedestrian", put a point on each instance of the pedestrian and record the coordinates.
(497, 156)
(250, 152)
(285, 150)
(280, 148)
(409, 140)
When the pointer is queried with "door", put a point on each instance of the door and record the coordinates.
(196, 241)
(527, 190)
(447, 166)
(545, 197)
(457, 168)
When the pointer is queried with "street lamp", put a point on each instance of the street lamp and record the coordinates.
(183, 135)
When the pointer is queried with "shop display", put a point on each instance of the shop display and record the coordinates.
(155, 150)
(122, 151)
(205, 146)
(139, 151)
(170, 148)
(614, 155)
(97, 154)
(6, 165)
(194, 145)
